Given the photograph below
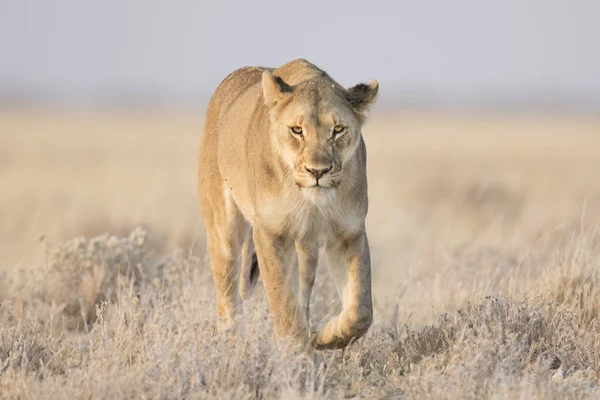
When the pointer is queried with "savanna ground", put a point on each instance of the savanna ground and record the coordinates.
(485, 256)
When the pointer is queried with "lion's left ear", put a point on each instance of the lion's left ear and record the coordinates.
(274, 88)
(362, 95)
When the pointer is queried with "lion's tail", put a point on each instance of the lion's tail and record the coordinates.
(250, 271)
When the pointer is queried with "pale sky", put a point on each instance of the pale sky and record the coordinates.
(460, 50)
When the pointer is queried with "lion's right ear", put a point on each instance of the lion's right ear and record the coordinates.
(274, 88)
(363, 95)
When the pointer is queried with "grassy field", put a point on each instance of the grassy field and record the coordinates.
(485, 256)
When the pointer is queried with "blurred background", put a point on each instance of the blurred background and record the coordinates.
(486, 137)
(432, 53)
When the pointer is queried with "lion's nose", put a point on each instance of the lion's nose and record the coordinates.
(318, 172)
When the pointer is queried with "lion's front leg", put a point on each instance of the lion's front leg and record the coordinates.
(350, 265)
(275, 259)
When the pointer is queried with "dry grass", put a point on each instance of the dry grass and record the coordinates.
(485, 261)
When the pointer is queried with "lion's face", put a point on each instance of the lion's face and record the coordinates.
(316, 128)
(316, 138)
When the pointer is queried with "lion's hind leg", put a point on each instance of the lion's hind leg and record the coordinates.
(227, 231)
(250, 271)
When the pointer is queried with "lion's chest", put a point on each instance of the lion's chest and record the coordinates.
(307, 217)
(310, 223)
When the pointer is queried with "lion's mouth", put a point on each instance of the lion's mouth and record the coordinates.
(316, 186)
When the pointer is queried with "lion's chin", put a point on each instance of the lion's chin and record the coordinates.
(318, 194)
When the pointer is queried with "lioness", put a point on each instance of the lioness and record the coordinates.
(283, 168)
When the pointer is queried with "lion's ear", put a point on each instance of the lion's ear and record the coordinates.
(362, 95)
(274, 88)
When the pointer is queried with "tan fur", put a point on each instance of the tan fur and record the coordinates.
(257, 193)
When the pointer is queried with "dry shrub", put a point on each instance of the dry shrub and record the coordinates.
(30, 348)
(495, 348)
(78, 275)
(165, 345)
(580, 292)
(494, 345)
(575, 285)
(163, 342)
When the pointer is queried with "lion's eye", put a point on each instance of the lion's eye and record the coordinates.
(338, 130)
(296, 130)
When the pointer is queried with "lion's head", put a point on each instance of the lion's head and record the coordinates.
(316, 126)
